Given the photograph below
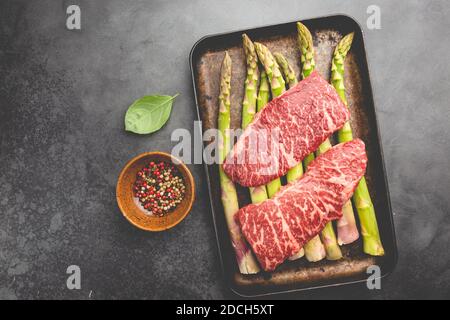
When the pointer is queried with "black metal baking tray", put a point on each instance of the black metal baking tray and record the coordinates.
(205, 61)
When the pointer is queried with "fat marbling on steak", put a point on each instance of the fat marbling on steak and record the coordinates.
(289, 128)
(277, 228)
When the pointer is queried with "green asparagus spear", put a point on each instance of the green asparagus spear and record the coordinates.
(277, 87)
(297, 171)
(257, 194)
(314, 249)
(246, 261)
(308, 64)
(337, 80)
(361, 197)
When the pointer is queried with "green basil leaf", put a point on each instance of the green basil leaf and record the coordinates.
(148, 114)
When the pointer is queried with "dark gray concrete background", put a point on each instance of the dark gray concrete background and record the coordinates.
(63, 95)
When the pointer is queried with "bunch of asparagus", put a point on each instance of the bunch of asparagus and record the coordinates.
(257, 194)
(277, 87)
(346, 226)
(275, 74)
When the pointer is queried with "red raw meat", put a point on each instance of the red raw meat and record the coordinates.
(277, 228)
(288, 129)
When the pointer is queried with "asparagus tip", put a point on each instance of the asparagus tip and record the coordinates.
(300, 25)
(350, 35)
(226, 64)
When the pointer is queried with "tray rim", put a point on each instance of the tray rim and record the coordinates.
(385, 273)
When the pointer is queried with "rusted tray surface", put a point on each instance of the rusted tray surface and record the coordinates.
(206, 58)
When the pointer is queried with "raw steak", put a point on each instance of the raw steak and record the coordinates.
(277, 228)
(288, 129)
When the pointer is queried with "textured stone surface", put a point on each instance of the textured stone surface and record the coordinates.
(63, 95)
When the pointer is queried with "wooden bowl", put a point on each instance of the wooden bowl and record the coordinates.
(134, 212)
